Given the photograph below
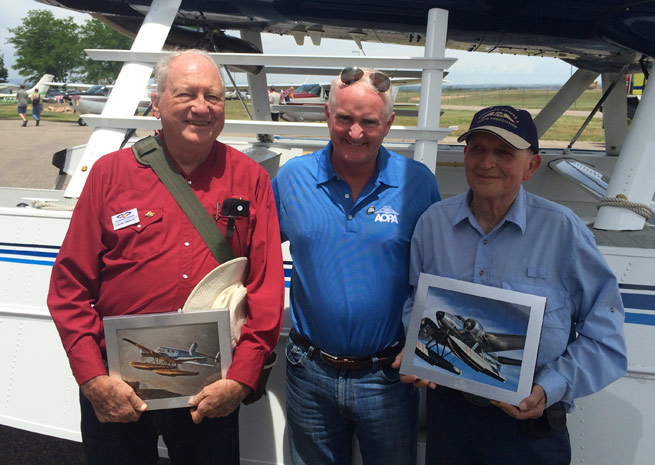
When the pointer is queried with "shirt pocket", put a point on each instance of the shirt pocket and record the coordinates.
(145, 238)
(556, 326)
(240, 233)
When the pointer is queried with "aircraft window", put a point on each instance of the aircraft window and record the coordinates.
(312, 88)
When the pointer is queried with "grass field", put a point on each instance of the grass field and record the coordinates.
(564, 129)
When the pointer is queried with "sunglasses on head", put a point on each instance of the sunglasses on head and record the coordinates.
(352, 74)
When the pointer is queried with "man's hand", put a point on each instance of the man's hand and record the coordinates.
(113, 400)
(218, 399)
(411, 379)
(531, 407)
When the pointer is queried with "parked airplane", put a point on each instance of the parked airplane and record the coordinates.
(93, 100)
(43, 85)
(466, 339)
(600, 36)
(307, 102)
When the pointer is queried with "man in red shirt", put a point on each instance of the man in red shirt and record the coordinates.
(107, 268)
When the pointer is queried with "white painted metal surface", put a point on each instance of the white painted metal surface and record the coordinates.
(633, 177)
(430, 98)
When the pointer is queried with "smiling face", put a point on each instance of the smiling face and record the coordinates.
(495, 169)
(358, 122)
(192, 105)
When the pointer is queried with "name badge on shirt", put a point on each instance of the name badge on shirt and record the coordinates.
(127, 218)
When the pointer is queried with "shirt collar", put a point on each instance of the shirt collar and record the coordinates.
(516, 213)
(386, 172)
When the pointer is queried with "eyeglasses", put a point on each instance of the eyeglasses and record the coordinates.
(352, 74)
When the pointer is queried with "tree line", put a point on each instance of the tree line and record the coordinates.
(48, 45)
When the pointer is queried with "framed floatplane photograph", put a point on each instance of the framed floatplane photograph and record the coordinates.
(474, 338)
(169, 357)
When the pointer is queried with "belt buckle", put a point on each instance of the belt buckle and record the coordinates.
(334, 358)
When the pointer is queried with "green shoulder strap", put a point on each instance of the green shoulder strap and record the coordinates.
(150, 152)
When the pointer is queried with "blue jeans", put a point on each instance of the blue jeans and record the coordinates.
(36, 111)
(459, 432)
(215, 441)
(327, 405)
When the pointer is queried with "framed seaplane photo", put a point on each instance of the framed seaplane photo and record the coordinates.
(169, 357)
(474, 338)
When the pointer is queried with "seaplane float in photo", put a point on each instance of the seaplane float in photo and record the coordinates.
(466, 339)
(611, 188)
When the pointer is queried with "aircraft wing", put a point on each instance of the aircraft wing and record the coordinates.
(149, 351)
(592, 34)
(500, 342)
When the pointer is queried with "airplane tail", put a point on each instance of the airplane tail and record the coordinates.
(43, 85)
(193, 349)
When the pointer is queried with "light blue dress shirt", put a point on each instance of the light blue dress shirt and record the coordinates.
(350, 258)
(539, 248)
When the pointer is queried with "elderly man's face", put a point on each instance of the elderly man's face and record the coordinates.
(494, 169)
(192, 106)
(358, 124)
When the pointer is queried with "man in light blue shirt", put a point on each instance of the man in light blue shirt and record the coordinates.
(497, 234)
(349, 211)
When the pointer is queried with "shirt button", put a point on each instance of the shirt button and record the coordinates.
(179, 310)
(138, 225)
(484, 241)
(188, 182)
(185, 276)
(481, 272)
(186, 244)
(347, 196)
(350, 217)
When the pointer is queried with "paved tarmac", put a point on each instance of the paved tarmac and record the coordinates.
(26, 152)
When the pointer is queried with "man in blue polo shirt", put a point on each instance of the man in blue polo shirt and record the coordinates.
(499, 235)
(348, 211)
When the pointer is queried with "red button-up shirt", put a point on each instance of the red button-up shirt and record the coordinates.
(153, 266)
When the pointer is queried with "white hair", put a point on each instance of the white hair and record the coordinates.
(364, 81)
(163, 66)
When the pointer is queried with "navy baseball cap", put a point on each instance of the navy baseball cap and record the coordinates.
(513, 126)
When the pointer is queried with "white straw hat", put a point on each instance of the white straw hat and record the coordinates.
(223, 288)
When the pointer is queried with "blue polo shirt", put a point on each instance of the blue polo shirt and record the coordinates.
(350, 259)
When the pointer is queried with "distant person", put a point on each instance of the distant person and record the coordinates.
(37, 106)
(23, 99)
(274, 99)
(150, 264)
(499, 235)
(348, 212)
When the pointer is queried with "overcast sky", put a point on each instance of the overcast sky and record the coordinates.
(471, 68)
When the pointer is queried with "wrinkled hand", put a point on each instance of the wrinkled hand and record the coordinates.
(411, 379)
(531, 407)
(218, 399)
(113, 400)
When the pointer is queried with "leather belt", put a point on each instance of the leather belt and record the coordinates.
(382, 358)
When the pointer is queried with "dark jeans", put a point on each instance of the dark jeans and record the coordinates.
(459, 432)
(326, 406)
(215, 441)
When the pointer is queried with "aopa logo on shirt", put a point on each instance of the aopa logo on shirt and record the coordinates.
(386, 214)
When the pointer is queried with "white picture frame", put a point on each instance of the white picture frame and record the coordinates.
(474, 338)
(169, 357)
